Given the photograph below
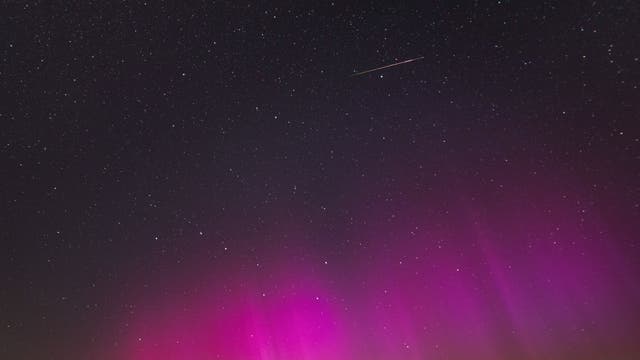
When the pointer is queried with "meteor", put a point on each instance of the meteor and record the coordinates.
(387, 66)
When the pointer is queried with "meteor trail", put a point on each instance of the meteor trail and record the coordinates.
(387, 66)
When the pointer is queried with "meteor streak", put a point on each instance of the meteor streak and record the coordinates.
(387, 66)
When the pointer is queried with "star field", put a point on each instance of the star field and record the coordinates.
(208, 180)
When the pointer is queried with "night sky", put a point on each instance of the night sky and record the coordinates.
(208, 180)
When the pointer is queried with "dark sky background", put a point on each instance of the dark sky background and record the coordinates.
(206, 180)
